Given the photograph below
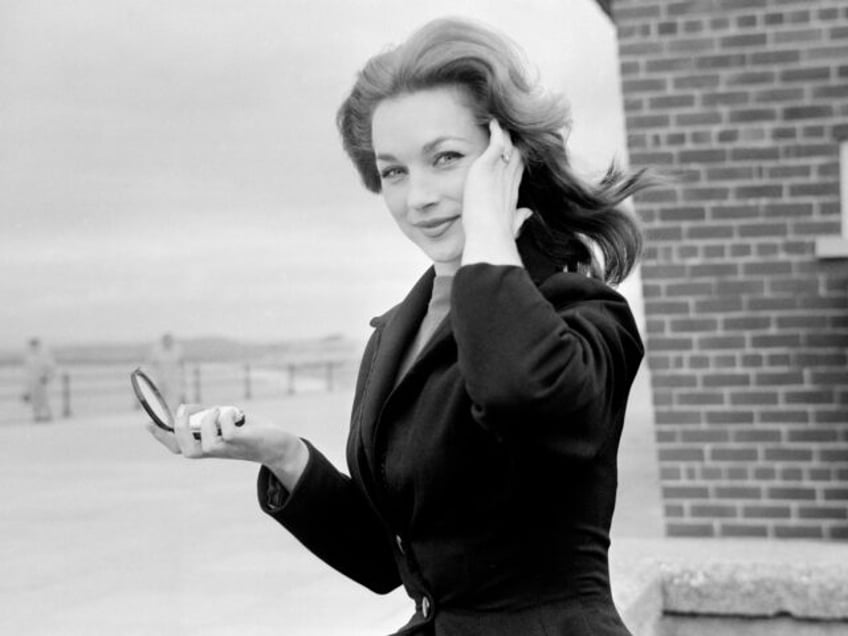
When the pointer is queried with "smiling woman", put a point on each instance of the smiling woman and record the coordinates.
(423, 168)
(490, 402)
(396, 91)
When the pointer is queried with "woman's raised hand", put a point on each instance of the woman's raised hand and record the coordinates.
(490, 218)
(255, 439)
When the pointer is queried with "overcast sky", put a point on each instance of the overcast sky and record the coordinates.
(175, 165)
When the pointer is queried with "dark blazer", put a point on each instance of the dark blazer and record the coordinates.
(484, 480)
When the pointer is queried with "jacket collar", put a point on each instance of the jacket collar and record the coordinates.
(539, 265)
(395, 331)
(400, 324)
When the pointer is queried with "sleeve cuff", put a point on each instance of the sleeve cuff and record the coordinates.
(273, 496)
(275, 493)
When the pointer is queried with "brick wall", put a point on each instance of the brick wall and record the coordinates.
(745, 101)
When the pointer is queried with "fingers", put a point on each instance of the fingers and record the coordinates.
(502, 151)
(521, 215)
(492, 186)
(189, 445)
(500, 146)
(210, 432)
(511, 158)
(230, 420)
(508, 154)
(166, 438)
(201, 432)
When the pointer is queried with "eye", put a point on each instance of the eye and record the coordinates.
(446, 158)
(390, 173)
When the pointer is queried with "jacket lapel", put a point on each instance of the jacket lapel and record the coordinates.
(396, 329)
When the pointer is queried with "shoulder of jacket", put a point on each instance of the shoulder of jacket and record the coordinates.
(571, 293)
(570, 287)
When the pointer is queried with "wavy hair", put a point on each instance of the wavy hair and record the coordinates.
(569, 215)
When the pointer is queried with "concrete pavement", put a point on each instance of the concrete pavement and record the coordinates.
(102, 531)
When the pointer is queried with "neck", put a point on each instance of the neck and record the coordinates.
(446, 269)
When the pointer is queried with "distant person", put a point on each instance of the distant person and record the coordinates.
(167, 366)
(39, 370)
(490, 401)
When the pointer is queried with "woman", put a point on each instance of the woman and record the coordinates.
(489, 404)
(39, 370)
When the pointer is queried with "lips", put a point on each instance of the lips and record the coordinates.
(434, 228)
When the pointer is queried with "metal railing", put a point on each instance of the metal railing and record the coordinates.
(85, 389)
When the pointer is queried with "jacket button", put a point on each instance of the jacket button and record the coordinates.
(399, 542)
(425, 607)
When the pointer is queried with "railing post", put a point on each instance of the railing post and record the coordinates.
(248, 393)
(66, 394)
(291, 379)
(197, 384)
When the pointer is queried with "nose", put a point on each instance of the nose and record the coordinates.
(422, 193)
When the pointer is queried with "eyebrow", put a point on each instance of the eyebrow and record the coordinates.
(427, 148)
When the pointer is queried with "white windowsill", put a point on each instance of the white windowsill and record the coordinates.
(832, 247)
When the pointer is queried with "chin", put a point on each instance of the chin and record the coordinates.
(447, 250)
(445, 256)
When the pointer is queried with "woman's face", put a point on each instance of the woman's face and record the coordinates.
(424, 143)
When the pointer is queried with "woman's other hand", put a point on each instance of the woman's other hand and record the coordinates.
(490, 218)
(255, 439)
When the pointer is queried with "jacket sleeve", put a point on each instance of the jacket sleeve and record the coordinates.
(329, 515)
(559, 358)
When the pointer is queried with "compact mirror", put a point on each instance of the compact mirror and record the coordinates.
(151, 400)
(157, 408)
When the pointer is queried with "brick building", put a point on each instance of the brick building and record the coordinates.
(745, 275)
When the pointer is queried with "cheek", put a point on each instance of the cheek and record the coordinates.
(455, 183)
(395, 202)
